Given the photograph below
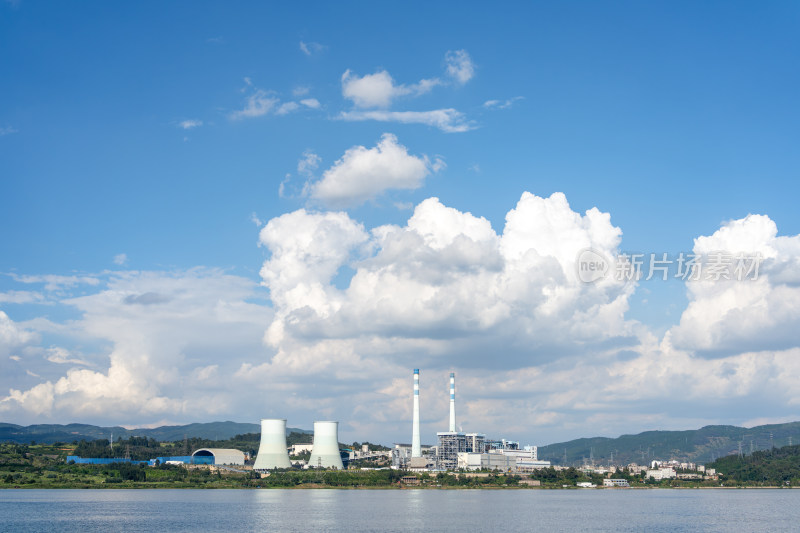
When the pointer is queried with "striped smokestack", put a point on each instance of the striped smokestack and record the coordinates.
(416, 447)
(452, 402)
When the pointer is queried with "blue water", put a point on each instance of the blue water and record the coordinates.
(354, 511)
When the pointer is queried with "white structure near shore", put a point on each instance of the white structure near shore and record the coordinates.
(272, 450)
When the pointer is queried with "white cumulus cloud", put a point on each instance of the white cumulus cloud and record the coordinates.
(754, 309)
(379, 89)
(448, 275)
(364, 173)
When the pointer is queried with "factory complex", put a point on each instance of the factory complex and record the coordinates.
(456, 450)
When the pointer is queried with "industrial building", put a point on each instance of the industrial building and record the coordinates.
(401, 454)
(203, 456)
(297, 449)
(485, 461)
(476, 442)
(450, 445)
(221, 456)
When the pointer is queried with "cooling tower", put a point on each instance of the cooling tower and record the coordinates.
(452, 402)
(416, 447)
(325, 452)
(272, 450)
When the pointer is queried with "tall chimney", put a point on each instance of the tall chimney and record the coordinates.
(452, 402)
(416, 447)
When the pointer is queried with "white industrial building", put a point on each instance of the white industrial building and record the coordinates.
(297, 449)
(524, 465)
(530, 453)
(222, 456)
(486, 461)
(661, 473)
(499, 461)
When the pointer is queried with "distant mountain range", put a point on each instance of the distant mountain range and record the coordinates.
(50, 433)
(698, 445)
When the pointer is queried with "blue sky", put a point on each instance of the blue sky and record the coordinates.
(149, 151)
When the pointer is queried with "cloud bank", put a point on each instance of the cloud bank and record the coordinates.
(352, 309)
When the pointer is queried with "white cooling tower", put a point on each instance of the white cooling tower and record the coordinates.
(272, 450)
(325, 452)
(452, 402)
(416, 447)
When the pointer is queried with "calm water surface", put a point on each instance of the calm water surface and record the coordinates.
(354, 511)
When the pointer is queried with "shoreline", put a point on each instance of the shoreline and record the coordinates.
(331, 487)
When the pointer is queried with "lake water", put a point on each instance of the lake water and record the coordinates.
(353, 511)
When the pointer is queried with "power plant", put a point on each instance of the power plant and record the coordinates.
(325, 452)
(272, 451)
(456, 449)
(416, 446)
